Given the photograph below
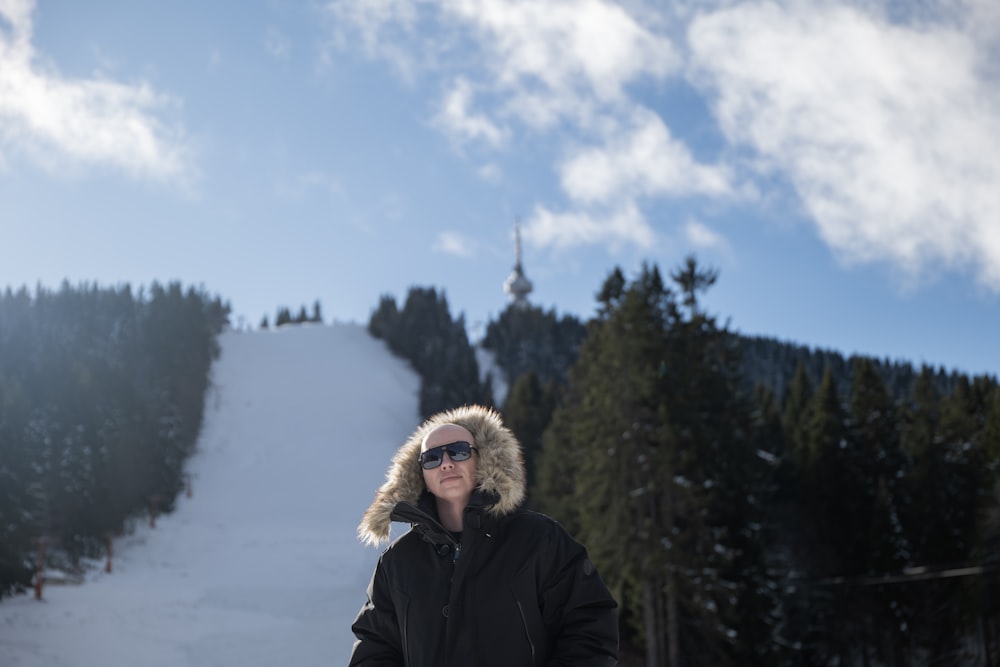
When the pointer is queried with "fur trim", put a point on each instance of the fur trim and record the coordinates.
(500, 469)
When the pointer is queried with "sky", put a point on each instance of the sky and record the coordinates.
(261, 565)
(833, 160)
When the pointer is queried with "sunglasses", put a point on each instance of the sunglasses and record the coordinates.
(457, 451)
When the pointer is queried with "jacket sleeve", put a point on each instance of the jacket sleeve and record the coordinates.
(376, 630)
(579, 610)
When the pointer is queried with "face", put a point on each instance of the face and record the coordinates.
(453, 481)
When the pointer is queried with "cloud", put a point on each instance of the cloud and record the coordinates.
(888, 132)
(458, 121)
(386, 30)
(622, 225)
(703, 237)
(642, 159)
(451, 243)
(559, 67)
(53, 120)
(557, 59)
(490, 172)
(884, 117)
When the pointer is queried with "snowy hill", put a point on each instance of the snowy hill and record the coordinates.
(260, 566)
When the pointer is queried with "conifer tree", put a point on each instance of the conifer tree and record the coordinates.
(873, 463)
(919, 432)
(385, 318)
(651, 437)
(527, 412)
(874, 459)
(529, 339)
(602, 443)
(795, 414)
(101, 393)
(991, 432)
(826, 543)
(437, 347)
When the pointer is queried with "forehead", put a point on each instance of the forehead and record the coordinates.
(445, 434)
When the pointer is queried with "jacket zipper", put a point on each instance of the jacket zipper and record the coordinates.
(527, 635)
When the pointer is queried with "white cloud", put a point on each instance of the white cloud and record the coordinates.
(701, 236)
(384, 28)
(541, 61)
(93, 121)
(562, 67)
(641, 160)
(490, 172)
(625, 224)
(458, 121)
(883, 116)
(888, 133)
(451, 243)
(564, 52)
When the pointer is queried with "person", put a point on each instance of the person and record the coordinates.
(477, 580)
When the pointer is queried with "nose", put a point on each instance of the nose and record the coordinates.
(446, 460)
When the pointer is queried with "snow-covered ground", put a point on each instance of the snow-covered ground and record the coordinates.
(260, 566)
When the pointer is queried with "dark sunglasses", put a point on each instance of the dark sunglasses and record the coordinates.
(457, 451)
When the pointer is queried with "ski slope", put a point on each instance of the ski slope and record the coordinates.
(260, 566)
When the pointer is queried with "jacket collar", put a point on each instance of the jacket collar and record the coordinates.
(424, 517)
(500, 473)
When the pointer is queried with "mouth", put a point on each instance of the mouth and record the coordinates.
(450, 478)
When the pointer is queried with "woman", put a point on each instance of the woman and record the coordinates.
(477, 581)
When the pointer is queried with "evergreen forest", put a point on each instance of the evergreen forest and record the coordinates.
(751, 502)
(101, 398)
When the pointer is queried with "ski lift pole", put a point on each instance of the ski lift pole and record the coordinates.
(40, 568)
(154, 502)
(107, 543)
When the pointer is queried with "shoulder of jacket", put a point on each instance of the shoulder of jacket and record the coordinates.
(401, 548)
(541, 525)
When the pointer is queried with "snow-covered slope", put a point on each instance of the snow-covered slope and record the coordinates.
(260, 566)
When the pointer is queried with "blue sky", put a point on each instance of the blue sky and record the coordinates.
(835, 161)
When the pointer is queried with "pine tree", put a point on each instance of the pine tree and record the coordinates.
(875, 456)
(603, 443)
(527, 412)
(795, 413)
(437, 346)
(385, 318)
(101, 396)
(873, 464)
(653, 437)
(529, 339)
(826, 544)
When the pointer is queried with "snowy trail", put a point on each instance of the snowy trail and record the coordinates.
(261, 565)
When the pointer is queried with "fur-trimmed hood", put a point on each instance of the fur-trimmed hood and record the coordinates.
(499, 471)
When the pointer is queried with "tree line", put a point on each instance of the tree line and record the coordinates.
(747, 510)
(750, 502)
(101, 398)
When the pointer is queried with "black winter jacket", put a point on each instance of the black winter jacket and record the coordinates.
(516, 591)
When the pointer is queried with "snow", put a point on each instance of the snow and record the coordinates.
(261, 565)
(486, 361)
